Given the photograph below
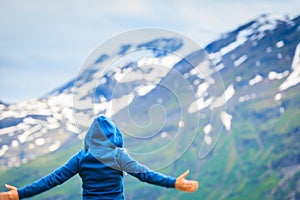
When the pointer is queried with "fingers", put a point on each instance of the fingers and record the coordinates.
(191, 186)
(184, 175)
(10, 187)
(194, 186)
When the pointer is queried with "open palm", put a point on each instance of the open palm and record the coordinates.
(185, 185)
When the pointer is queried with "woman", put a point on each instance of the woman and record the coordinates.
(101, 164)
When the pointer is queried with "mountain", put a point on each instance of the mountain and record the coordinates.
(232, 120)
(35, 127)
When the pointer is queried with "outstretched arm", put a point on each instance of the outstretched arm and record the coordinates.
(144, 174)
(12, 194)
(57, 177)
(53, 179)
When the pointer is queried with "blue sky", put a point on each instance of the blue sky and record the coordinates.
(44, 43)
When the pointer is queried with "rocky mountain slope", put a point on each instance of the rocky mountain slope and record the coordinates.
(236, 127)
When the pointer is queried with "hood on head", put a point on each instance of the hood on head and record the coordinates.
(103, 133)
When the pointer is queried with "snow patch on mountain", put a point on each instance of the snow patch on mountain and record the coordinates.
(143, 90)
(274, 75)
(54, 146)
(199, 104)
(240, 39)
(40, 141)
(224, 98)
(207, 139)
(268, 22)
(226, 120)
(247, 97)
(207, 129)
(258, 78)
(2, 107)
(278, 97)
(3, 150)
(280, 44)
(294, 77)
(8, 130)
(240, 60)
(252, 33)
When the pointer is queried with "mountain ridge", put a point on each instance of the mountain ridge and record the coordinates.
(260, 69)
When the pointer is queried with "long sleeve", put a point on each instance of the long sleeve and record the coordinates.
(53, 179)
(143, 173)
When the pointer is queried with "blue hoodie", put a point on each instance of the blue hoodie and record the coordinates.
(100, 165)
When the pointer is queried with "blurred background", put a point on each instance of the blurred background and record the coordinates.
(253, 46)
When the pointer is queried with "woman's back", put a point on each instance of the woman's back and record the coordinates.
(98, 179)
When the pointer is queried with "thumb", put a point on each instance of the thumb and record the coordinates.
(10, 187)
(184, 175)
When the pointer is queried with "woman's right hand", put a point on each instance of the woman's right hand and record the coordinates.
(185, 185)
